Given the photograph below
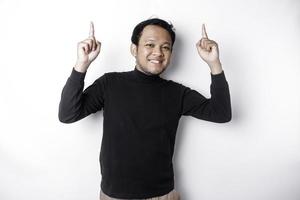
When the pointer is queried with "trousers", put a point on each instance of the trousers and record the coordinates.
(173, 195)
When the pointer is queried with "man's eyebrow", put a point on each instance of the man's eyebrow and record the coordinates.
(153, 40)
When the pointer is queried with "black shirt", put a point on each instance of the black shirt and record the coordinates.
(141, 114)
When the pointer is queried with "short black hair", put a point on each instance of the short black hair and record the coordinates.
(137, 31)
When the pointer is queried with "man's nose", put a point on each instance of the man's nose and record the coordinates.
(157, 51)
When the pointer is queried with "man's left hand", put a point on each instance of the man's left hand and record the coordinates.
(209, 52)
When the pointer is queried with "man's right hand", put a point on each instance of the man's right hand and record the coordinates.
(87, 51)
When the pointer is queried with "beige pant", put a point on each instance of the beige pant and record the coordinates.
(173, 195)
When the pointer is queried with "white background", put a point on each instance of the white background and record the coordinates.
(255, 156)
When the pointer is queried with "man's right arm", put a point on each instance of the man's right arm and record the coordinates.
(75, 103)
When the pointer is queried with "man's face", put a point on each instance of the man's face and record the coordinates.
(154, 50)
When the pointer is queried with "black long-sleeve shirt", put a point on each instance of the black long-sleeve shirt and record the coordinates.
(141, 115)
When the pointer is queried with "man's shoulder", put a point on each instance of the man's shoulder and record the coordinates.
(116, 73)
(110, 74)
(175, 84)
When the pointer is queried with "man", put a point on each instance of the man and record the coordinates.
(141, 110)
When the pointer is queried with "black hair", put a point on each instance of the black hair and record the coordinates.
(137, 31)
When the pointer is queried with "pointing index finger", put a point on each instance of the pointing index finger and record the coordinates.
(92, 31)
(204, 34)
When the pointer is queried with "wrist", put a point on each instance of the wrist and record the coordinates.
(215, 67)
(81, 67)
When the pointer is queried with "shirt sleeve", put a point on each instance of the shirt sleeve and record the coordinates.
(75, 103)
(216, 109)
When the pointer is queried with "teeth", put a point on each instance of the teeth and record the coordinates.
(155, 61)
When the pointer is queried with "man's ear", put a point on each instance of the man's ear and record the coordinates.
(133, 49)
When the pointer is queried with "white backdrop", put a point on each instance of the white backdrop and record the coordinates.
(255, 156)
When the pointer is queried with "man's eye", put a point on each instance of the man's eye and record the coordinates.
(150, 45)
(166, 48)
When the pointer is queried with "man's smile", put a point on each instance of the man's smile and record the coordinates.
(155, 61)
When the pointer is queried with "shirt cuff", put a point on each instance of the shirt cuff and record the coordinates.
(77, 76)
(218, 80)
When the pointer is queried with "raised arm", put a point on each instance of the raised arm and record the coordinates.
(75, 103)
(218, 107)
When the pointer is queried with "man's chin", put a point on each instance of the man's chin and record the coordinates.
(152, 71)
(157, 71)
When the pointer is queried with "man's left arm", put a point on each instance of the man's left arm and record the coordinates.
(218, 107)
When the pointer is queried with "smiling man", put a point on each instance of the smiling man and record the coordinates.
(152, 50)
(142, 110)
